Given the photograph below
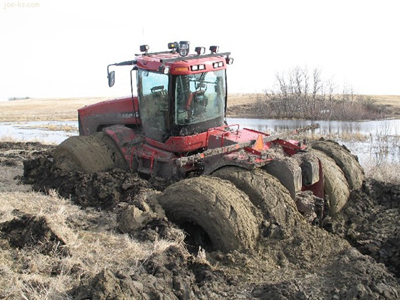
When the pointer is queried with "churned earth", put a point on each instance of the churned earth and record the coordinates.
(70, 235)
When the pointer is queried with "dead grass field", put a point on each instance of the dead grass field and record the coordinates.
(54, 109)
(44, 109)
(391, 100)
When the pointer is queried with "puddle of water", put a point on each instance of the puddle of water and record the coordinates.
(31, 131)
(381, 138)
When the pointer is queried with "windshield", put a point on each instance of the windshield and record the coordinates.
(153, 101)
(199, 97)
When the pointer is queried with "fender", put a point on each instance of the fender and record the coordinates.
(93, 118)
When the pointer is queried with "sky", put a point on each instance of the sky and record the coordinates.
(60, 48)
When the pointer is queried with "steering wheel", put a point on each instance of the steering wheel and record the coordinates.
(157, 88)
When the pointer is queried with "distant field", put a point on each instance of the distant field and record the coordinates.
(391, 100)
(43, 109)
(66, 108)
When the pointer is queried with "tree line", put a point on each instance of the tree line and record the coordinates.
(302, 94)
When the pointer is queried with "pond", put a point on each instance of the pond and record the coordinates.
(50, 132)
(369, 140)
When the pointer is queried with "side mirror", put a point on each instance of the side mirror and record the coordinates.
(111, 78)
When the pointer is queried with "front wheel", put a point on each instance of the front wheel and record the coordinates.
(89, 154)
(213, 212)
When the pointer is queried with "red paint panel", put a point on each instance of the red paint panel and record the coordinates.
(119, 111)
(121, 105)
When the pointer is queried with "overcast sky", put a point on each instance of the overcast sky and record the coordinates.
(59, 48)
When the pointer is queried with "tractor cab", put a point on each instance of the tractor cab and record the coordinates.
(179, 94)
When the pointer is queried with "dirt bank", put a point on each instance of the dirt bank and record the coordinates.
(90, 242)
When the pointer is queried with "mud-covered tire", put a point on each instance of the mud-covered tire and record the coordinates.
(89, 154)
(218, 207)
(265, 192)
(348, 162)
(336, 188)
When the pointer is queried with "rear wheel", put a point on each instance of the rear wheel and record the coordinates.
(344, 159)
(89, 154)
(336, 187)
(215, 214)
(265, 192)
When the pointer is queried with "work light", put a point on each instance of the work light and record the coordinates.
(229, 60)
(183, 48)
(144, 48)
(200, 50)
(173, 46)
(214, 49)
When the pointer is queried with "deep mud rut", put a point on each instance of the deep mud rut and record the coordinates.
(355, 256)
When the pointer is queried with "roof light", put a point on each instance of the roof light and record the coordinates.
(214, 49)
(195, 68)
(173, 46)
(200, 50)
(183, 48)
(144, 48)
(202, 67)
(229, 60)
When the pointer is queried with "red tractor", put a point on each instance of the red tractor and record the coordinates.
(225, 177)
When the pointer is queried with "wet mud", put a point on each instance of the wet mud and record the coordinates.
(355, 255)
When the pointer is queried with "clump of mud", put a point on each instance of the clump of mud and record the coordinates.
(28, 231)
(371, 223)
(102, 189)
(171, 275)
(157, 273)
(13, 154)
(133, 199)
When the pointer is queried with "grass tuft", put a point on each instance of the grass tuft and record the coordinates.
(383, 171)
(92, 247)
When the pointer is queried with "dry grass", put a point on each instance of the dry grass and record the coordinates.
(7, 181)
(28, 274)
(44, 109)
(8, 138)
(243, 99)
(342, 136)
(383, 171)
(391, 100)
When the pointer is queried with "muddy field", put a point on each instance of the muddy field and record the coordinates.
(105, 236)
